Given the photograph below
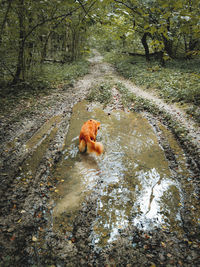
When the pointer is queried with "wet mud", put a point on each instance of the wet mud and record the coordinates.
(135, 205)
(132, 179)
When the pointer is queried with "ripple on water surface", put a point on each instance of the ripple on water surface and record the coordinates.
(132, 178)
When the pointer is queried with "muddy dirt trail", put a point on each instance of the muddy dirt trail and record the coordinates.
(135, 205)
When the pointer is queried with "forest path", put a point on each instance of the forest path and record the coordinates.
(176, 113)
(33, 144)
(27, 118)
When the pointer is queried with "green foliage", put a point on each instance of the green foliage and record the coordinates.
(171, 27)
(127, 97)
(48, 79)
(194, 111)
(67, 73)
(32, 31)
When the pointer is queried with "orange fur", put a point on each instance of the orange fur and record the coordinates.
(87, 138)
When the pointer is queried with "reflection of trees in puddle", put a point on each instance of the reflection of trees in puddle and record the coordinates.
(145, 205)
(154, 209)
(113, 213)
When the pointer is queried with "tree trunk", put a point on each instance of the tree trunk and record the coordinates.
(4, 20)
(168, 47)
(44, 50)
(145, 45)
(19, 74)
(192, 44)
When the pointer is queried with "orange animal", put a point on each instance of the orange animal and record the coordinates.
(87, 138)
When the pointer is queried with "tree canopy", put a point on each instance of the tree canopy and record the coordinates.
(34, 31)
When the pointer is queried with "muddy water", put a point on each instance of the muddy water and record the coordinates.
(132, 179)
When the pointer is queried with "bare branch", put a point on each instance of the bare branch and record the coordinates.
(87, 11)
(7, 68)
(134, 9)
(63, 16)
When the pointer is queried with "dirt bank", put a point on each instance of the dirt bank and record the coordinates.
(32, 140)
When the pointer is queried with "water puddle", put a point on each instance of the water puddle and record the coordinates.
(132, 179)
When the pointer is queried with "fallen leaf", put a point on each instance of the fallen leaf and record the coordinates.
(146, 236)
(73, 239)
(13, 237)
(22, 211)
(180, 263)
(163, 244)
(34, 238)
(39, 215)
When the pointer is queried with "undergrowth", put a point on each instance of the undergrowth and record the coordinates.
(178, 81)
(67, 73)
(101, 93)
(45, 80)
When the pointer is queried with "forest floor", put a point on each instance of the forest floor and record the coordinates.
(32, 139)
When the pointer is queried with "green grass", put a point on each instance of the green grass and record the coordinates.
(101, 93)
(179, 81)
